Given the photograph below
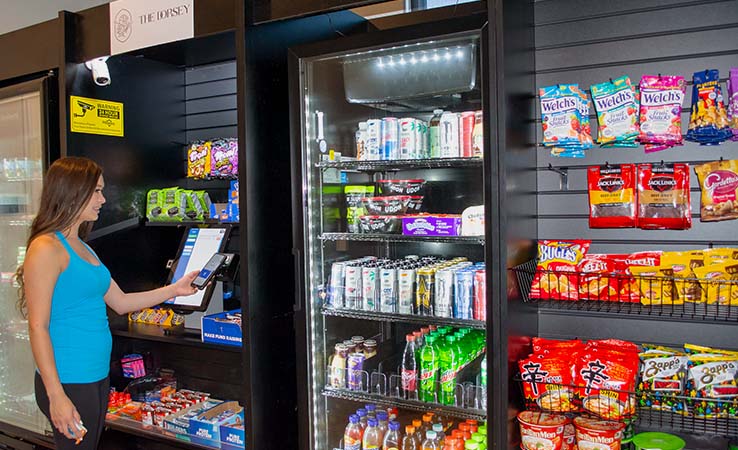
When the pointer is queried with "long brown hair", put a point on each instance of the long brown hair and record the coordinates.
(68, 186)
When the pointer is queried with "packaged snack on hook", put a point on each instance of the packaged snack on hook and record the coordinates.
(733, 102)
(663, 197)
(198, 159)
(617, 113)
(563, 111)
(661, 100)
(708, 122)
(719, 183)
(612, 196)
(224, 157)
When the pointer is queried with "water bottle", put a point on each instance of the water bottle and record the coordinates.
(392, 438)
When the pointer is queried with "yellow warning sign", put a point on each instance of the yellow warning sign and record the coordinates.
(92, 116)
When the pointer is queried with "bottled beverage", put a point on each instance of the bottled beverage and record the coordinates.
(466, 134)
(428, 372)
(338, 367)
(449, 135)
(371, 439)
(430, 441)
(361, 142)
(410, 369)
(449, 365)
(434, 132)
(419, 431)
(405, 290)
(483, 378)
(361, 413)
(382, 424)
(371, 410)
(440, 436)
(373, 140)
(353, 434)
(410, 441)
(392, 437)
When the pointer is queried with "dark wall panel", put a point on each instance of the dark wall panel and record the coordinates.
(210, 106)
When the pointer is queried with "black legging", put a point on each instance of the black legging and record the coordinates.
(91, 401)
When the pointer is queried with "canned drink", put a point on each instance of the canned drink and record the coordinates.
(466, 131)
(354, 366)
(405, 290)
(390, 138)
(373, 140)
(352, 293)
(480, 295)
(407, 138)
(425, 140)
(370, 288)
(449, 135)
(418, 133)
(444, 298)
(388, 290)
(464, 294)
(336, 286)
(361, 141)
(478, 134)
(424, 291)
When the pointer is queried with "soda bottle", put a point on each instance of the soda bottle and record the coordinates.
(371, 439)
(440, 437)
(410, 369)
(353, 435)
(430, 441)
(427, 425)
(338, 367)
(392, 438)
(483, 378)
(448, 367)
(361, 413)
(419, 431)
(382, 424)
(428, 371)
(410, 440)
(435, 134)
(371, 410)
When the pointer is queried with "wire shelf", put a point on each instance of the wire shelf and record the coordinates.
(589, 293)
(401, 164)
(389, 317)
(365, 237)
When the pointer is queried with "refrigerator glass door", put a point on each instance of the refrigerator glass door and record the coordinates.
(21, 152)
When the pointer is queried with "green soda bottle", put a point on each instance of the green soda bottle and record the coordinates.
(428, 370)
(448, 369)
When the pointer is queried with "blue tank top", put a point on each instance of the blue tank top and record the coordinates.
(78, 326)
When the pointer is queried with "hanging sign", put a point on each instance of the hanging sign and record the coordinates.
(138, 24)
(92, 116)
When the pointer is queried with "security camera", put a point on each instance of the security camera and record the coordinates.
(100, 72)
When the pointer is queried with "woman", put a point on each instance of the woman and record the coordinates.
(64, 289)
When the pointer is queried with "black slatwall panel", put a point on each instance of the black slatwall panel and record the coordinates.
(210, 93)
(587, 42)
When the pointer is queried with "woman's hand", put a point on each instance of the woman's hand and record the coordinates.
(64, 415)
(182, 287)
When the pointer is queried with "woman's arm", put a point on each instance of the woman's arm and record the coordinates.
(41, 268)
(123, 303)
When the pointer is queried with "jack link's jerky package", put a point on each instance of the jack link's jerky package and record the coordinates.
(663, 196)
(612, 196)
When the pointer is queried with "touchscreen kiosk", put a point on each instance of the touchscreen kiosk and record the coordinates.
(198, 246)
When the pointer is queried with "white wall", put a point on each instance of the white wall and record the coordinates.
(16, 14)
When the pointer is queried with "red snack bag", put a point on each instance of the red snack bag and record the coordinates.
(541, 345)
(600, 277)
(629, 286)
(606, 381)
(663, 197)
(612, 196)
(556, 277)
(547, 381)
(617, 345)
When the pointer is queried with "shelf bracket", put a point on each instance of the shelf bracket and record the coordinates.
(563, 176)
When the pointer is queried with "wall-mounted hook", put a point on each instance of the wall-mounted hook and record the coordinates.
(563, 176)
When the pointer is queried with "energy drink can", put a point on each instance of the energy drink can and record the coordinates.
(421, 139)
(408, 143)
(390, 138)
(464, 293)
(370, 287)
(355, 367)
(336, 286)
(480, 295)
(466, 125)
(449, 135)
(352, 293)
(388, 290)
(373, 140)
(405, 290)
(444, 293)
(424, 291)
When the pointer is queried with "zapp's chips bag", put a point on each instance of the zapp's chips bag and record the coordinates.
(662, 380)
(712, 385)
(556, 277)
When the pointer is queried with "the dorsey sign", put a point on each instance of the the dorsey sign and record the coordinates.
(138, 24)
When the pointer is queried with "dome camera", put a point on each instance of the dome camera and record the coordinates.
(100, 72)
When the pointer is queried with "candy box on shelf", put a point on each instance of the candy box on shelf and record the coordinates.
(432, 225)
(205, 427)
(223, 328)
(232, 433)
(179, 422)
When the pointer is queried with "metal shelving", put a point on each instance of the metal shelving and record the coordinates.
(396, 165)
(365, 237)
(153, 432)
(390, 317)
(652, 418)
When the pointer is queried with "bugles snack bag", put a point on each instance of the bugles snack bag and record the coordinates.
(556, 277)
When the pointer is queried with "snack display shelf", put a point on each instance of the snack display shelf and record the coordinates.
(366, 237)
(407, 318)
(593, 304)
(149, 431)
(149, 223)
(413, 405)
(396, 165)
(174, 335)
(666, 420)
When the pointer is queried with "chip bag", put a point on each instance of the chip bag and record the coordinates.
(719, 283)
(733, 102)
(663, 197)
(686, 287)
(600, 277)
(661, 100)
(656, 284)
(617, 113)
(612, 201)
(543, 345)
(629, 285)
(606, 381)
(695, 349)
(718, 255)
(556, 277)
(154, 205)
(224, 160)
(708, 121)
(198, 159)
(547, 382)
(719, 183)
(663, 378)
(712, 385)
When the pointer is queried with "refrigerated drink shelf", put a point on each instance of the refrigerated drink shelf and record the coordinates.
(367, 237)
(407, 318)
(401, 164)
(414, 405)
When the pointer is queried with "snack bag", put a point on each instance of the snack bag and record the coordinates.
(719, 183)
(600, 277)
(711, 384)
(695, 349)
(617, 112)
(606, 381)
(661, 100)
(718, 255)
(630, 285)
(563, 111)
(204, 198)
(556, 277)
(708, 121)
(663, 378)
(547, 382)
(719, 283)
(153, 205)
(198, 159)
(612, 196)
(686, 287)
(655, 284)
(224, 158)
(543, 345)
(663, 197)
(174, 204)
(733, 102)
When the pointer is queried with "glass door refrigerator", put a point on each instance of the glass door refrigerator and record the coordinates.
(22, 151)
(389, 208)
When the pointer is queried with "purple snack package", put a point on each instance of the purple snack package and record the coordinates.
(224, 157)
(733, 102)
(432, 225)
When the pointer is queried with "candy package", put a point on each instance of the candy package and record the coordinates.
(733, 102)
(687, 287)
(198, 159)
(617, 113)
(708, 121)
(663, 197)
(719, 282)
(719, 183)
(556, 277)
(655, 284)
(661, 100)
(612, 202)
(224, 158)
(565, 120)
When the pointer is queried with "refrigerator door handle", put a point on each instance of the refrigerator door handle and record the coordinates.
(299, 280)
